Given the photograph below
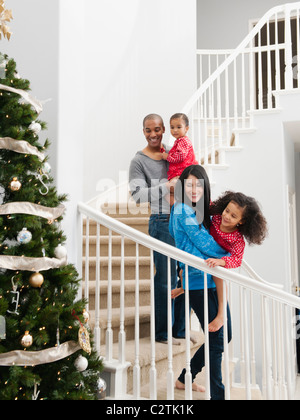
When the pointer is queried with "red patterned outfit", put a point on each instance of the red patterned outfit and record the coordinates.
(180, 157)
(232, 242)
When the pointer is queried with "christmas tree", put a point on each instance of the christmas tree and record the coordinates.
(44, 337)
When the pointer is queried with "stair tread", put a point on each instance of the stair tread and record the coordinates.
(161, 350)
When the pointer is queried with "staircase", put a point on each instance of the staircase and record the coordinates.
(137, 220)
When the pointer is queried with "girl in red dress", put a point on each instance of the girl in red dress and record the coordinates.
(182, 153)
(236, 217)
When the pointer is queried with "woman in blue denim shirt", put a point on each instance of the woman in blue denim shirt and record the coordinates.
(189, 225)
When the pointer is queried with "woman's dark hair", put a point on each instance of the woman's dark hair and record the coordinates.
(254, 225)
(202, 207)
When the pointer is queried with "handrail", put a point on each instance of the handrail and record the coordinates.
(249, 270)
(188, 259)
(203, 88)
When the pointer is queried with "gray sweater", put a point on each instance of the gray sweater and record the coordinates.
(147, 182)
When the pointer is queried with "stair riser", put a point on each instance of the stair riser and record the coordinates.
(129, 250)
(129, 299)
(129, 272)
(129, 329)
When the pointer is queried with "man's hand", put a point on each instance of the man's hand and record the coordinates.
(171, 184)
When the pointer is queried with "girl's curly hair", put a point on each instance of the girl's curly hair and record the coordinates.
(254, 227)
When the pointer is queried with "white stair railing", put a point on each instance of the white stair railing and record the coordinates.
(243, 81)
(261, 312)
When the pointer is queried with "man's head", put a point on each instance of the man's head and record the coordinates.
(154, 129)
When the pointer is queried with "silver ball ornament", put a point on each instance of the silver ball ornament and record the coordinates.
(81, 363)
(101, 389)
(24, 237)
(35, 127)
(60, 252)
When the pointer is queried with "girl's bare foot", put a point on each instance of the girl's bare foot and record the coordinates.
(176, 292)
(216, 324)
(195, 387)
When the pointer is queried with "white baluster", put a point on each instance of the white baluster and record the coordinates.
(252, 341)
(109, 331)
(153, 373)
(246, 347)
(269, 66)
(87, 262)
(207, 358)
(275, 351)
(205, 130)
(122, 334)
(188, 375)
(260, 73)
(170, 374)
(268, 358)
(235, 93)
(137, 369)
(288, 50)
(243, 92)
(288, 349)
(79, 253)
(227, 107)
(97, 330)
(277, 56)
(226, 346)
(252, 84)
(242, 340)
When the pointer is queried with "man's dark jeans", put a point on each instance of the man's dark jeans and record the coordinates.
(159, 229)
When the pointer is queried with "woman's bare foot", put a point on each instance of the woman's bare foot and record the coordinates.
(216, 324)
(195, 387)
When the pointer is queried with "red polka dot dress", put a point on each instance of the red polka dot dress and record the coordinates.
(233, 243)
(180, 157)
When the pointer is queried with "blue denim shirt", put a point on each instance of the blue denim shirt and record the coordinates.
(184, 228)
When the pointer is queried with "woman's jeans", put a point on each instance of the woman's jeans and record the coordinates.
(159, 229)
(216, 343)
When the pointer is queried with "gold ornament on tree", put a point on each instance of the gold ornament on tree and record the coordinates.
(15, 184)
(5, 17)
(36, 280)
(27, 340)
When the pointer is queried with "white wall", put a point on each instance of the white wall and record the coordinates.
(139, 58)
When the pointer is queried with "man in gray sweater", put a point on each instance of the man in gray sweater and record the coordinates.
(148, 181)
